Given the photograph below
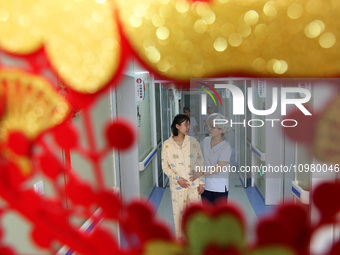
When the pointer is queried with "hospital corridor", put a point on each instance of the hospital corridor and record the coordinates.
(267, 167)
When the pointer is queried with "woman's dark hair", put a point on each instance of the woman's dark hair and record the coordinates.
(179, 119)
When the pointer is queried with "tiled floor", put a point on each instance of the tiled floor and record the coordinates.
(238, 196)
(164, 211)
(249, 201)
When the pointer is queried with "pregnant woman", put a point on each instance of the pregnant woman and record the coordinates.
(180, 155)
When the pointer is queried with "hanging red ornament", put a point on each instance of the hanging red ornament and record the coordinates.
(121, 134)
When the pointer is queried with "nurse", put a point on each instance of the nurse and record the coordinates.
(180, 155)
(217, 153)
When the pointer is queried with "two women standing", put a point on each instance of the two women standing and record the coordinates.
(182, 156)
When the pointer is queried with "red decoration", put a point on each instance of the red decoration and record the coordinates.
(121, 134)
(66, 136)
(2, 105)
(304, 132)
(328, 207)
(19, 143)
(110, 203)
(213, 249)
(14, 174)
(80, 193)
(50, 166)
(137, 221)
(6, 251)
(288, 228)
(41, 238)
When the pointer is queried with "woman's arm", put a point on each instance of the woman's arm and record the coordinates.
(213, 170)
(200, 162)
(218, 168)
(166, 164)
(168, 169)
(199, 165)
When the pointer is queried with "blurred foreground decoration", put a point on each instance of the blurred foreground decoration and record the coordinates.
(186, 39)
(320, 132)
(80, 38)
(29, 104)
(35, 128)
(327, 136)
(208, 230)
(86, 43)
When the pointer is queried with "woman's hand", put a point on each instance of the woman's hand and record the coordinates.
(183, 183)
(194, 175)
(200, 189)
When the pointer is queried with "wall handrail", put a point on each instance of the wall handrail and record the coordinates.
(301, 194)
(87, 227)
(143, 164)
(261, 155)
(248, 144)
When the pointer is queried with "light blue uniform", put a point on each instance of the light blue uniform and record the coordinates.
(217, 182)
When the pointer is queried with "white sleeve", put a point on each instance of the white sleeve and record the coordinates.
(225, 153)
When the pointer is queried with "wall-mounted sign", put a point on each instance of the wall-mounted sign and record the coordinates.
(261, 87)
(140, 86)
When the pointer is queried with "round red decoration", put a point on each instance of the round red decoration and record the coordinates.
(80, 193)
(295, 221)
(18, 143)
(102, 236)
(66, 136)
(50, 166)
(140, 221)
(120, 134)
(327, 206)
(271, 232)
(110, 203)
(41, 238)
(6, 251)
(15, 175)
(305, 129)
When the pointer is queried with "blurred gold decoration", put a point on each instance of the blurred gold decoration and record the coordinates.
(31, 104)
(80, 37)
(327, 135)
(182, 39)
